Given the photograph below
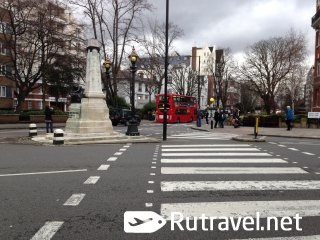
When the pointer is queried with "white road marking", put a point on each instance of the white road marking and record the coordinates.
(126, 146)
(293, 149)
(149, 204)
(246, 208)
(222, 160)
(171, 186)
(282, 145)
(206, 145)
(232, 170)
(153, 167)
(151, 182)
(152, 174)
(75, 199)
(307, 153)
(92, 180)
(150, 191)
(103, 167)
(38, 173)
(214, 154)
(154, 162)
(122, 149)
(207, 149)
(118, 153)
(112, 159)
(47, 231)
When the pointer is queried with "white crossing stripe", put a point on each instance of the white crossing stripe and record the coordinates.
(232, 170)
(311, 237)
(92, 180)
(206, 145)
(47, 231)
(74, 200)
(103, 167)
(214, 154)
(238, 185)
(208, 149)
(222, 160)
(245, 208)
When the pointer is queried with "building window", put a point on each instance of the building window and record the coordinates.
(2, 70)
(3, 91)
(318, 68)
(140, 87)
(29, 105)
(2, 49)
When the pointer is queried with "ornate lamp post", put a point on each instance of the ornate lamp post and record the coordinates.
(133, 123)
(107, 64)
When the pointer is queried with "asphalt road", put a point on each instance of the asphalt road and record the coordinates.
(277, 177)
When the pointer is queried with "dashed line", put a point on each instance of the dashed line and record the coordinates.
(47, 231)
(149, 204)
(92, 180)
(272, 142)
(150, 191)
(307, 153)
(294, 162)
(305, 167)
(103, 167)
(112, 159)
(126, 146)
(122, 149)
(75, 199)
(151, 182)
(293, 149)
(154, 162)
(153, 167)
(282, 145)
(118, 153)
(38, 173)
(152, 174)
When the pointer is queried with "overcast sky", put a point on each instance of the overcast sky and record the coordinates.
(236, 23)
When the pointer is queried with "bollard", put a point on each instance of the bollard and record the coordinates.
(33, 130)
(58, 137)
(256, 128)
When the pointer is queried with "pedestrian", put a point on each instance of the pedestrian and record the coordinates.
(289, 117)
(216, 117)
(207, 116)
(48, 118)
(222, 117)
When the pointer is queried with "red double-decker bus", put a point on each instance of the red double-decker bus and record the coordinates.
(180, 108)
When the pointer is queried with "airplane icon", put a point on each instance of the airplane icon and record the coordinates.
(139, 222)
(142, 222)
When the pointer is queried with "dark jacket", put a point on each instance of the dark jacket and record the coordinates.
(48, 114)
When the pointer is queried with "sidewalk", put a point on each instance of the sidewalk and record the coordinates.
(248, 132)
(26, 125)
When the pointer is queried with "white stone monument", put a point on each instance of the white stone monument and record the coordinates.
(91, 116)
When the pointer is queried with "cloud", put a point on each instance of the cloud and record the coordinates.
(236, 23)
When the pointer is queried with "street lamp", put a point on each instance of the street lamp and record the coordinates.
(133, 123)
(107, 64)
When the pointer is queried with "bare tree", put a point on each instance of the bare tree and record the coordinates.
(184, 80)
(270, 62)
(31, 33)
(153, 44)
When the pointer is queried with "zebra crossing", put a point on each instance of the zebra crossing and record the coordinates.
(191, 161)
(203, 135)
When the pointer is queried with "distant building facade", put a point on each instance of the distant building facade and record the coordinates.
(315, 23)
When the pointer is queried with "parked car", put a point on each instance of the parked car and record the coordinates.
(122, 116)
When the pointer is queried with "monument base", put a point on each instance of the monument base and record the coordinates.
(89, 117)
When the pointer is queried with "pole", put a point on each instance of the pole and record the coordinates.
(166, 74)
(199, 93)
(132, 91)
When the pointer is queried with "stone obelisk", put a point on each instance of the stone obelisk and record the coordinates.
(91, 116)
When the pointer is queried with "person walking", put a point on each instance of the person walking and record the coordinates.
(222, 117)
(48, 119)
(289, 117)
(216, 117)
